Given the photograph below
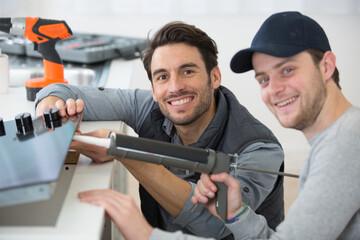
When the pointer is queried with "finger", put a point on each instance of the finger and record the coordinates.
(208, 183)
(70, 106)
(230, 181)
(60, 104)
(194, 200)
(204, 190)
(97, 193)
(205, 187)
(113, 202)
(98, 198)
(79, 105)
(199, 193)
(94, 196)
(78, 131)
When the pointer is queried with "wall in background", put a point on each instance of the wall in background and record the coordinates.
(231, 23)
(174, 8)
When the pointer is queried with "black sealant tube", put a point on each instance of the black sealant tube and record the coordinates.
(167, 154)
(162, 148)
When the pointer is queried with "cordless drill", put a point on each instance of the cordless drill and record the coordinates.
(45, 34)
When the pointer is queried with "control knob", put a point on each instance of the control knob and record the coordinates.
(24, 123)
(2, 127)
(52, 118)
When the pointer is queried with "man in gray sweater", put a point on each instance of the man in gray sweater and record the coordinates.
(299, 81)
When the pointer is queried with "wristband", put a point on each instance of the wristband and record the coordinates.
(237, 216)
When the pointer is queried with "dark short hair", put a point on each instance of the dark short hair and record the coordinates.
(179, 32)
(317, 56)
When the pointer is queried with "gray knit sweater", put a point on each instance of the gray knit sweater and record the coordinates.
(329, 192)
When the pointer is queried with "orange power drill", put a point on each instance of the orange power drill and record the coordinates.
(45, 34)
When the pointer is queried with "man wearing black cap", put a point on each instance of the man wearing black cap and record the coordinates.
(294, 65)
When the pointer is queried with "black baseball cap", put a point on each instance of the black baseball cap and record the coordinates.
(282, 35)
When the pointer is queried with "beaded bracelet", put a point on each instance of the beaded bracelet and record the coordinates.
(237, 216)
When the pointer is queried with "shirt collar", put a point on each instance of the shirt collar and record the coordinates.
(170, 130)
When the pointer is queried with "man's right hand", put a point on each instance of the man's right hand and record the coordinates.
(70, 107)
(206, 189)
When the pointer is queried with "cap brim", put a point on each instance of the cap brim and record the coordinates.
(242, 60)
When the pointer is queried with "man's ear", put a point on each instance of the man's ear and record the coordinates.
(215, 75)
(328, 65)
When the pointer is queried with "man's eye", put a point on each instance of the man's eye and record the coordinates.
(162, 77)
(287, 70)
(264, 80)
(187, 72)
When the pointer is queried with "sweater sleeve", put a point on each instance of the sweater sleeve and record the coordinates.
(250, 226)
(328, 203)
(201, 222)
(129, 105)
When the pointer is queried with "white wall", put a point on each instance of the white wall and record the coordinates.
(231, 23)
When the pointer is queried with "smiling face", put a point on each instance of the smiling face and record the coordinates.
(181, 85)
(293, 88)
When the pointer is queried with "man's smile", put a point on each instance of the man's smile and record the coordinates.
(286, 102)
(181, 101)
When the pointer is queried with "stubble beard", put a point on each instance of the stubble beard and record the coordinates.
(313, 106)
(203, 106)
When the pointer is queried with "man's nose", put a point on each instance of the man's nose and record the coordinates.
(176, 83)
(276, 84)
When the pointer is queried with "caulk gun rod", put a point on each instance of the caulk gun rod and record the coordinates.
(267, 171)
